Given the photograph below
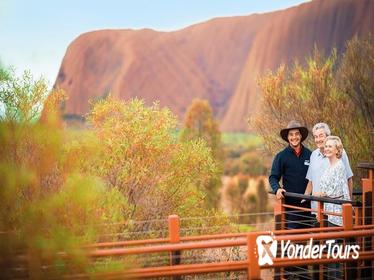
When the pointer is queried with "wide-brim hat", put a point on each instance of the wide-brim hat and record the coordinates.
(294, 125)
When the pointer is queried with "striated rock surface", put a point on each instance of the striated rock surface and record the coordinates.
(218, 60)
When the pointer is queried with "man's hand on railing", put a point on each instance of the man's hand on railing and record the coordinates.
(279, 193)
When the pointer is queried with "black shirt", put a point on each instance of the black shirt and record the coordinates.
(291, 169)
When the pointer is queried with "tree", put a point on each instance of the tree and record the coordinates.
(46, 204)
(306, 94)
(355, 76)
(4, 73)
(252, 164)
(311, 94)
(200, 124)
(22, 97)
(139, 155)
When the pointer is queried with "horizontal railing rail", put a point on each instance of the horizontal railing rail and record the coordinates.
(319, 198)
(249, 265)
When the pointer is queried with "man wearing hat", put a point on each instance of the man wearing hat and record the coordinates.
(291, 164)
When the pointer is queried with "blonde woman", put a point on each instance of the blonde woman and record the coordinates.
(334, 180)
(334, 185)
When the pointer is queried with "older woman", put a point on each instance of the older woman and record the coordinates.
(334, 181)
(334, 184)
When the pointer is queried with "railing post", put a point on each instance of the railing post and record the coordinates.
(321, 218)
(358, 216)
(347, 215)
(174, 237)
(279, 217)
(254, 271)
(279, 220)
(368, 215)
(359, 240)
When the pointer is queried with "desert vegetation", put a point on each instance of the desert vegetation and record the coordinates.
(336, 89)
(64, 187)
(60, 186)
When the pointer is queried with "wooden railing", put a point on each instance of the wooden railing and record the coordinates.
(247, 241)
(357, 228)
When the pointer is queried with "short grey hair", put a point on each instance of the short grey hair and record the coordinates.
(324, 126)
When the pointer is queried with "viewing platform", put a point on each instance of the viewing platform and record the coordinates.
(257, 257)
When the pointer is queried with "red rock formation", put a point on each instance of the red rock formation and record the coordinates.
(217, 60)
(292, 34)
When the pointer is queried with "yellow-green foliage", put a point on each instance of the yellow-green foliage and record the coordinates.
(199, 124)
(252, 163)
(137, 154)
(22, 97)
(61, 189)
(208, 222)
(244, 154)
(355, 76)
(246, 200)
(338, 92)
(46, 205)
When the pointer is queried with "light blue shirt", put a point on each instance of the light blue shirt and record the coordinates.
(318, 165)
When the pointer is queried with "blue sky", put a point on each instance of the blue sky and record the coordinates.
(34, 34)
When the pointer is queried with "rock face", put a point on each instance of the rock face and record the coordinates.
(218, 60)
